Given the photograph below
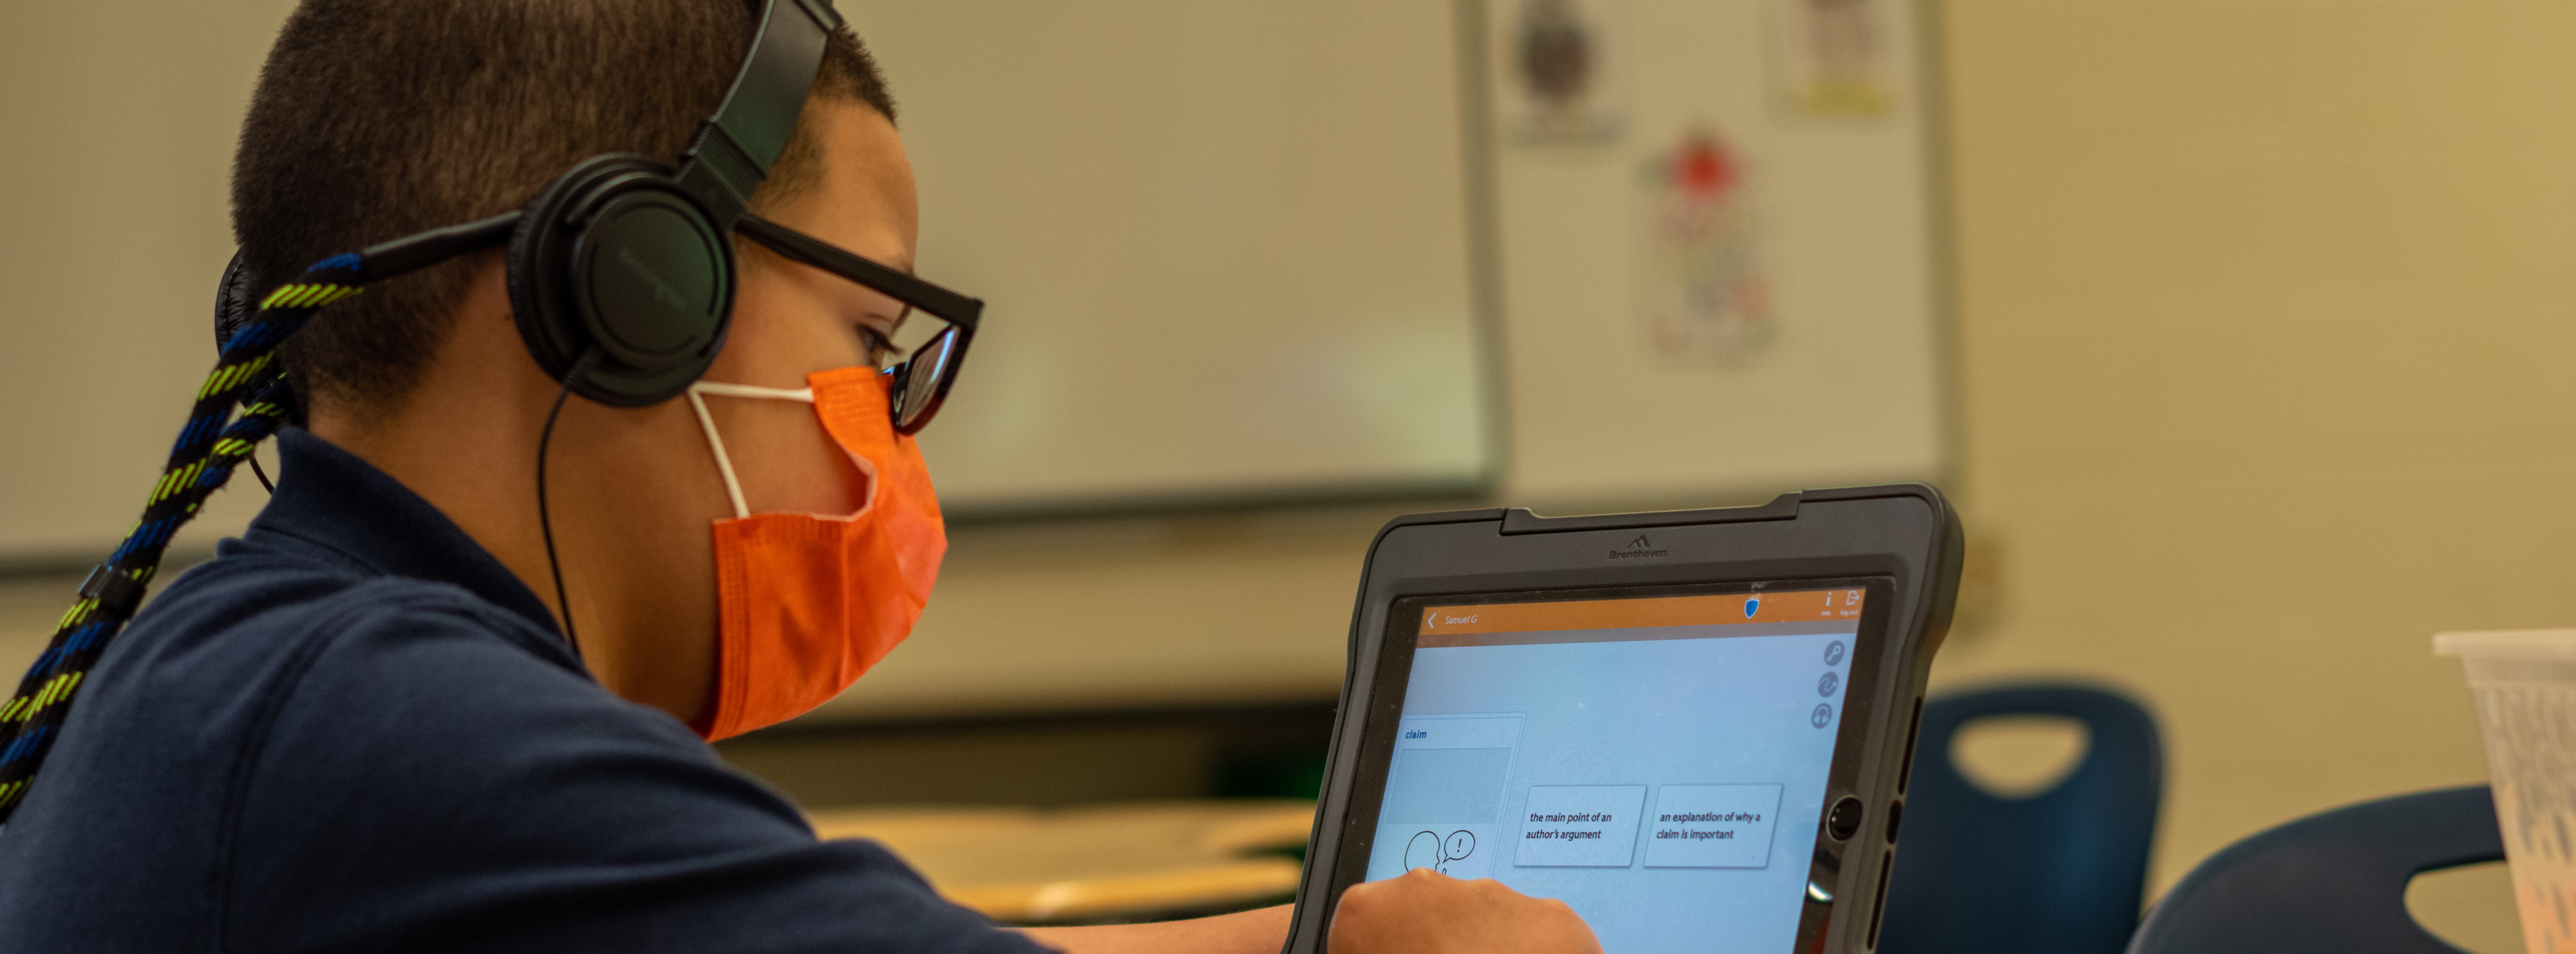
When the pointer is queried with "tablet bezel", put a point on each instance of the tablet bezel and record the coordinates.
(1905, 532)
(1393, 677)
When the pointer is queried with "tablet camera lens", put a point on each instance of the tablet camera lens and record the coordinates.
(1844, 821)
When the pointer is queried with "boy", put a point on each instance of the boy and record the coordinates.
(415, 707)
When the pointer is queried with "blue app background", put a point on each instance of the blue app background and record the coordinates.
(1605, 726)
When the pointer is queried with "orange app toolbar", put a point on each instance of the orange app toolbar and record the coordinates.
(1798, 606)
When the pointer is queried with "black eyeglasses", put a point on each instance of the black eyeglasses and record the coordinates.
(922, 379)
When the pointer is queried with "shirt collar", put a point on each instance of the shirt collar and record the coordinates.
(328, 498)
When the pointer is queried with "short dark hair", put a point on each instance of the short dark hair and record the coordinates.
(376, 119)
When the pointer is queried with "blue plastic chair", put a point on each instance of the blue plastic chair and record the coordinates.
(2334, 882)
(2059, 872)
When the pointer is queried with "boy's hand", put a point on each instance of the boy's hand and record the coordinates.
(1425, 912)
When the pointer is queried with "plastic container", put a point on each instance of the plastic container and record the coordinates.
(2525, 685)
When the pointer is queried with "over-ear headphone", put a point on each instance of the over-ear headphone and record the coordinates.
(621, 277)
(624, 260)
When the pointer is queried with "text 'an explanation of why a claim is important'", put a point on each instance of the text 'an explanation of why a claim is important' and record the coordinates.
(1695, 826)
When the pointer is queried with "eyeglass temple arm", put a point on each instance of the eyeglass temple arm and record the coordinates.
(949, 306)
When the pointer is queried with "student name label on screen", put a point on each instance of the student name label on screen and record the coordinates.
(1580, 826)
(1712, 826)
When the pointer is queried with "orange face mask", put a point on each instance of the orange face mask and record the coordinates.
(807, 601)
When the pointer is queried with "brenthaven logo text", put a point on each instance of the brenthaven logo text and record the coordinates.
(1640, 547)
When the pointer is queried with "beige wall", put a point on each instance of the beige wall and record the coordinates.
(114, 225)
(2264, 318)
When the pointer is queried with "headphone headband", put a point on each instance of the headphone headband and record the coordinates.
(737, 145)
(621, 271)
(621, 254)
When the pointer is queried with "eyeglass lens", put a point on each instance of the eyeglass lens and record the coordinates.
(920, 379)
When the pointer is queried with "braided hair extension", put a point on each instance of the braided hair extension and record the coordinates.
(214, 441)
(202, 460)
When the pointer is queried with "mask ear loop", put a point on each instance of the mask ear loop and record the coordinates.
(724, 461)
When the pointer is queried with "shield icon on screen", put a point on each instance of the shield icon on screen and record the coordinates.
(1751, 606)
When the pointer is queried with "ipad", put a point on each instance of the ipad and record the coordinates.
(1692, 727)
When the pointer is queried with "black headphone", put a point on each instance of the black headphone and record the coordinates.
(622, 263)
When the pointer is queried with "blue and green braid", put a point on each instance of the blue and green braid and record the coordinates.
(216, 439)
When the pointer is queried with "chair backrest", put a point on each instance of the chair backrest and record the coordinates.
(2332, 882)
(2062, 871)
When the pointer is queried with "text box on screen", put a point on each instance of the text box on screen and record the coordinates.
(1580, 826)
(1712, 826)
(1445, 786)
(1500, 730)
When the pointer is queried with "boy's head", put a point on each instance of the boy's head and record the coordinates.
(376, 119)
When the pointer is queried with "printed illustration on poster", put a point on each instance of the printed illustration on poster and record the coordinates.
(1561, 71)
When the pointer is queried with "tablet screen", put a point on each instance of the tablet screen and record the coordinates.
(1659, 763)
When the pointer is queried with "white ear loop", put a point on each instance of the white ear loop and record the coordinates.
(724, 462)
(720, 389)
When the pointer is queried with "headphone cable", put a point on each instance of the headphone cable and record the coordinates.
(545, 521)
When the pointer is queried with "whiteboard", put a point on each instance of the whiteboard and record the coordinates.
(1233, 252)
(1768, 326)
(1223, 245)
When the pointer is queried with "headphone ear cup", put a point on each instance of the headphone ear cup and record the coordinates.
(549, 341)
(233, 301)
(236, 303)
(612, 256)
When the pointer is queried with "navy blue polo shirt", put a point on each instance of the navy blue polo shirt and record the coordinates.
(354, 730)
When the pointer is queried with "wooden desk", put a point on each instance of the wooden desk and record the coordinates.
(1137, 860)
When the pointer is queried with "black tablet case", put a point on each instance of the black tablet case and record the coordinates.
(1904, 531)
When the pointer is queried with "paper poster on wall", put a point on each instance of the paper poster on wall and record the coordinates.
(1734, 299)
(1561, 71)
(1702, 295)
(1834, 57)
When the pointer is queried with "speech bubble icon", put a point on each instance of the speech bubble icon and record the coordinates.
(1461, 844)
(1422, 852)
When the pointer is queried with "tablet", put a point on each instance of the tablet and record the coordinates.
(1692, 727)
